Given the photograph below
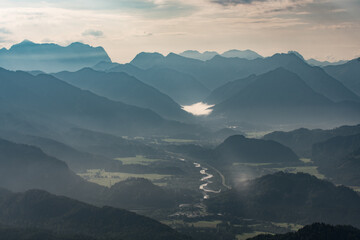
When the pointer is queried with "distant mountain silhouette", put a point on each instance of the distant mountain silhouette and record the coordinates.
(347, 73)
(237, 148)
(49, 57)
(220, 70)
(314, 62)
(197, 55)
(284, 197)
(45, 211)
(247, 54)
(104, 66)
(146, 60)
(316, 231)
(301, 140)
(122, 87)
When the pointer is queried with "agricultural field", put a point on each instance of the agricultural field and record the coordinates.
(107, 179)
(199, 224)
(257, 134)
(245, 236)
(175, 140)
(290, 226)
(312, 170)
(139, 159)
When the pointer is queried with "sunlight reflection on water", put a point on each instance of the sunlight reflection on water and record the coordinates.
(198, 109)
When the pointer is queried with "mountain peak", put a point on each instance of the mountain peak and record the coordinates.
(26, 42)
(51, 57)
(297, 54)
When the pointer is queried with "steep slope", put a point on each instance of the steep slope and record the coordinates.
(228, 90)
(314, 77)
(181, 87)
(104, 144)
(138, 192)
(29, 56)
(347, 73)
(301, 140)
(240, 149)
(24, 167)
(54, 98)
(220, 70)
(122, 87)
(316, 231)
(40, 209)
(77, 160)
(339, 159)
(20, 233)
(296, 198)
(279, 96)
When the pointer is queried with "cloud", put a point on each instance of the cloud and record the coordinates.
(5, 31)
(148, 8)
(93, 33)
(236, 2)
(253, 2)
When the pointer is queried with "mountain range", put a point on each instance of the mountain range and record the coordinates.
(301, 140)
(316, 231)
(68, 106)
(247, 54)
(284, 197)
(41, 210)
(49, 57)
(119, 86)
(347, 73)
(279, 96)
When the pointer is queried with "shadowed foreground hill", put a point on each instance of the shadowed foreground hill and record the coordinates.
(77, 160)
(19, 233)
(135, 192)
(301, 140)
(339, 159)
(42, 210)
(24, 167)
(295, 198)
(238, 148)
(316, 231)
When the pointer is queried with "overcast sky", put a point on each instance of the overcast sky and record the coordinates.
(322, 29)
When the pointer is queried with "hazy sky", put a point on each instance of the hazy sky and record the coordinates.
(323, 29)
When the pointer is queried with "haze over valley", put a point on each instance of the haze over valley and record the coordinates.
(157, 120)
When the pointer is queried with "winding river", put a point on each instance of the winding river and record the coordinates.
(206, 179)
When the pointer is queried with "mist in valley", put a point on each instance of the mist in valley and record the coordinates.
(126, 121)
